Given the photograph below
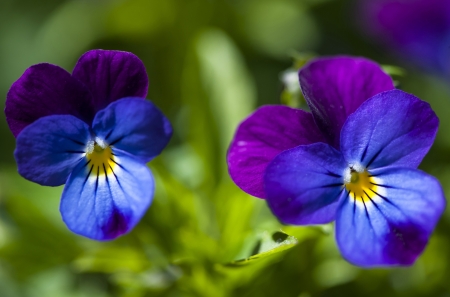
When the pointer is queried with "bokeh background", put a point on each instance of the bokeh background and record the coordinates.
(210, 64)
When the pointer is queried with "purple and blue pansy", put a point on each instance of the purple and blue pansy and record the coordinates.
(352, 159)
(93, 131)
(416, 30)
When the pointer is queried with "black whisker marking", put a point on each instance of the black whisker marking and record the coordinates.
(96, 181)
(108, 135)
(364, 153)
(373, 158)
(117, 140)
(74, 152)
(118, 164)
(329, 173)
(332, 185)
(383, 186)
(87, 176)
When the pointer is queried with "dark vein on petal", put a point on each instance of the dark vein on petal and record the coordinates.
(87, 176)
(383, 186)
(329, 173)
(109, 134)
(387, 200)
(96, 181)
(354, 206)
(332, 185)
(364, 153)
(117, 140)
(373, 158)
(118, 164)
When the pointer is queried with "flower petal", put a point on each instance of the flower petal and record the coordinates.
(49, 149)
(43, 90)
(335, 87)
(391, 129)
(418, 30)
(393, 226)
(133, 125)
(111, 75)
(104, 203)
(263, 135)
(303, 184)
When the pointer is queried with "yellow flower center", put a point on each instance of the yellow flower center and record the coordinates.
(362, 186)
(101, 160)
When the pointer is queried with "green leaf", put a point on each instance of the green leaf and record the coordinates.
(267, 246)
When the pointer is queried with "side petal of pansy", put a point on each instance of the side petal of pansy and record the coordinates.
(263, 135)
(107, 195)
(335, 87)
(304, 184)
(392, 128)
(111, 75)
(43, 90)
(49, 149)
(389, 224)
(135, 126)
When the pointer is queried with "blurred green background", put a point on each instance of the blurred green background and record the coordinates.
(210, 64)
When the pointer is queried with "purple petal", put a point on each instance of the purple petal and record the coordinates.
(43, 90)
(111, 75)
(263, 135)
(135, 126)
(49, 149)
(335, 87)
(104, 203)
(391, 129)
(418, 30)
(393, 226)
(303, 185)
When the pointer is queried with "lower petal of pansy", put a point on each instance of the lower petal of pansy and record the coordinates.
(106, 195)
(263, 135)
(49, 149)
(391, 222)
(303, 184)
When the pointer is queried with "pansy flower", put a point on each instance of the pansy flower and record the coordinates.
(353, 159)
(93, 131)
(416, 30)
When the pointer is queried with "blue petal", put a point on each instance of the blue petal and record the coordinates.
(104, 206)
(303, 184)
(135, 126)
(49, 149)
(392, 128)
(393, 226)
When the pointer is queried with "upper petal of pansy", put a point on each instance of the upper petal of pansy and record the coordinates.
(335, 87)
(263, 135)
(106, 197)
(133, 125)
(393, 128)
(111, 75)
(392, 222)
(303, 184)
(45, 89)
(49, 149)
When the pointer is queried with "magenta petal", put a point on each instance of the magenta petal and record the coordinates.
(335, 87)
(262, 136)
(45, 89)
(111, 75)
